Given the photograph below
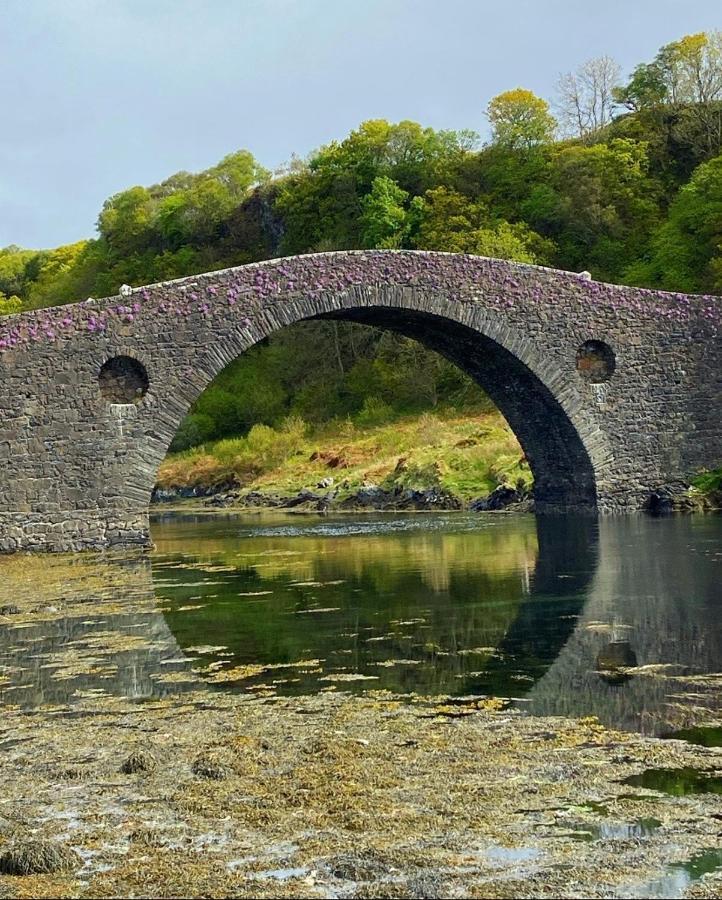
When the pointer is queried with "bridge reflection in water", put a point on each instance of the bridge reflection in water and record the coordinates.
(614, 617)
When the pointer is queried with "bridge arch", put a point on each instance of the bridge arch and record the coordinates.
(552, 432)
(83, 465)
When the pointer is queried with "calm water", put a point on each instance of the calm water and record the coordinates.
(618, 617)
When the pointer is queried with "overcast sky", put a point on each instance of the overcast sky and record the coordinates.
(99, 95)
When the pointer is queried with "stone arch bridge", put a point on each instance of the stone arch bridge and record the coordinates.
(611, 391)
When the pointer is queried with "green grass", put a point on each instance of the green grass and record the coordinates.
(708, 482)
(466, 454)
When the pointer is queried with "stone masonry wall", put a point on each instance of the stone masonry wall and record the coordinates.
(78, 467)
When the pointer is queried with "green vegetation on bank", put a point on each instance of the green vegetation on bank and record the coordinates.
(621, 179)
(466, 454)
(324, 372)
(708, 486)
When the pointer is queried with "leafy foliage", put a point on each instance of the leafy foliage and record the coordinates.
(687, 249)
(709, 482)
(520, 120)
(636, 199)
(466, 452)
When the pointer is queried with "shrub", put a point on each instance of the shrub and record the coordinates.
(708, 482)
(374, 412)
(195, 429)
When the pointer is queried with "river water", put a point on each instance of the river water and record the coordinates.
(617, 618)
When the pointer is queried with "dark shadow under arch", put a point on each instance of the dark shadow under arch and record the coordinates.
(563, 472)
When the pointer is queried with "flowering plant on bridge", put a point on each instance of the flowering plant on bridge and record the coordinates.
(498, 285)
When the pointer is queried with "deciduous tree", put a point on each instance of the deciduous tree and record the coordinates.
(585, 100)
(520, 120)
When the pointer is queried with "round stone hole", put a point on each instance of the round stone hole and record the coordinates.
(123, 379)
(595, 361)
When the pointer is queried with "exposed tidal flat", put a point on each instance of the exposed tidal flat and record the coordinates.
(402, 706)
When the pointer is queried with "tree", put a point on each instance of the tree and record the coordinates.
(506, 241)
(586, 97)
(692, 68)
(607, 205)
(687, 248)
(10, 305)
(520, 120)
(18, 269)
(685, 78)
(646, 89)
(445, 220)
(66, 274)
(321, 205)
(383, 216)
(125, 220)
(448, 221)
(686, 71)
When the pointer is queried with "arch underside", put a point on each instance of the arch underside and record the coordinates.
(564, 478)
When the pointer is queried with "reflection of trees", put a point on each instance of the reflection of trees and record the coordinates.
(506, 547)
(444, 599)
(555, 615)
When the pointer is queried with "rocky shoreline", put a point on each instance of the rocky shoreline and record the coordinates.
(327, 497)
(370, 497)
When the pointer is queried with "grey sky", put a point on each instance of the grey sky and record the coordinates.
(99, 95)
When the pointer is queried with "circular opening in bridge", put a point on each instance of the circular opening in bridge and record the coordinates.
(123, 379)
(595, 361)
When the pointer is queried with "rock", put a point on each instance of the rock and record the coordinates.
(324, 504)
(369, 495)
(362, 865)
(38, 858)
(208, 765)
(501, 497)
(9, 609)
(258, 499)
(374, 497)
(429, 498)
(162, 495)
(221, 500)
(526, 505)
(138, 761)
(187, 492)
(304, 496)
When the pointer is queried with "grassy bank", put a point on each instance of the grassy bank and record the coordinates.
(467, 455)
